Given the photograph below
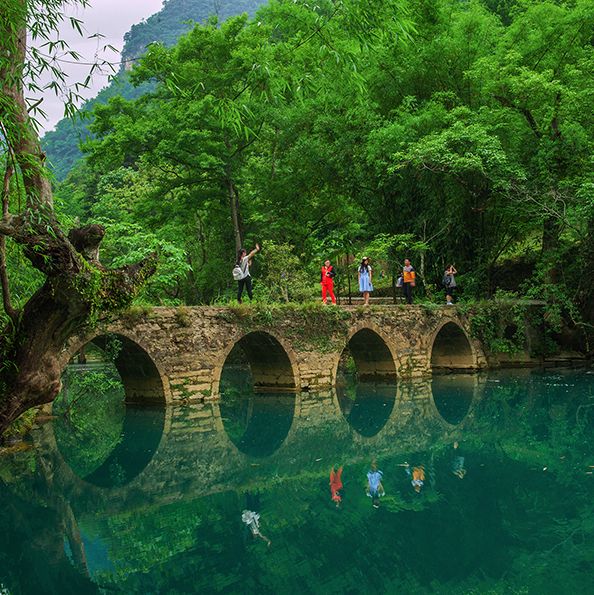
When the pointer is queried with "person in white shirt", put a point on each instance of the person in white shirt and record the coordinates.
(243, 263)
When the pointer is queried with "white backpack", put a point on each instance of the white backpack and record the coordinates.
(239, 271)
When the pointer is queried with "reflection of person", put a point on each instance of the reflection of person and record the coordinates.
(449, 282)
(458, 468)
(417, 476)
(252, 520)
(242, 271)
(327, 282)
(336, 485)
(375, 489)
(408, 280)
(365, 285)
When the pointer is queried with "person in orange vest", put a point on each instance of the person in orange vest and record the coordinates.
(327, 282)
(417, 476)
(336, 485)
(408, 280)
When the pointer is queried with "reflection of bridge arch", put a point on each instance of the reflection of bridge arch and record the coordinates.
(453, 397)
(366, 406)
(450, 348)
(196, 457)
(258, 424)
(374, 356)
(141, 434)
(272, 362)
(103, 483)
(142, 378)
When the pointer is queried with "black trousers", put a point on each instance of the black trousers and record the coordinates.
(407, 288)
(247, 283)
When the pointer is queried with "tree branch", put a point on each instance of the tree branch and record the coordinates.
(523, 110)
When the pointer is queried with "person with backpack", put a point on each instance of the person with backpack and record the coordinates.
(241, 271)
(327, 282)
(409, 277)
(449, 283)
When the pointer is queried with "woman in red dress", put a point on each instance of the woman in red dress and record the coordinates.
(327, 281)
(336, 485)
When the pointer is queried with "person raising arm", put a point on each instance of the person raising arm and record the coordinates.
(244, 280)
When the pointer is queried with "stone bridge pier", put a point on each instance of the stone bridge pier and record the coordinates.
(178, 354)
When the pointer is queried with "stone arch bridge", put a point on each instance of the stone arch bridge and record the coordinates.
(178, 354)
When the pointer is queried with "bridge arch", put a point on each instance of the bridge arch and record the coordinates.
(272, 362)
(372, 353)
(451, 349)
(110, 454)
(144, 382)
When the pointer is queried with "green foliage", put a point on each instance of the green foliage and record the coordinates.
(135, 314)
(62, 144)
(500, 324)
(445, 131)
(285, 277)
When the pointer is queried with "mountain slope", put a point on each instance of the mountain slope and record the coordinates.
(166, 26)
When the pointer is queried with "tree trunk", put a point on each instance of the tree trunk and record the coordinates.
(66, 305)
(235, 216)
(78, 290)
(551, 229)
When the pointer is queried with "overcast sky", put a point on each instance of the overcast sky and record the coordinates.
(111, 18)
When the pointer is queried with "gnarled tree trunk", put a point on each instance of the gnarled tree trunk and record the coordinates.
(78, 290)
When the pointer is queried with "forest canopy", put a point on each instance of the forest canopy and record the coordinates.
(447, 131)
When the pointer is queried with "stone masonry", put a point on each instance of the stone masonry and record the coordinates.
(178, 354)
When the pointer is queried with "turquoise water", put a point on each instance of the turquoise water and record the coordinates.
(131, 500)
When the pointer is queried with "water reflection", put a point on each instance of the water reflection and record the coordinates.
(180, 528)
(366, 406)
(103, 440)
(40, 546)
(141, 434)
(257, 423)
(453, 395)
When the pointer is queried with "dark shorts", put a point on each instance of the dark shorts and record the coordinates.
(450, 290)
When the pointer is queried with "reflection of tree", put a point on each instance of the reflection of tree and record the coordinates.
(498, 528)
(32, 552)
(91, 415)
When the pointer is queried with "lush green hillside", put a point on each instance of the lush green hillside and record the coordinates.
(175, 18)
(166, 26)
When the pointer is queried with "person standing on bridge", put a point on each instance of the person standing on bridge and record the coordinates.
(365, 285)
(327, 282)
(241, 271)
(409, 277)
(449, 282)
